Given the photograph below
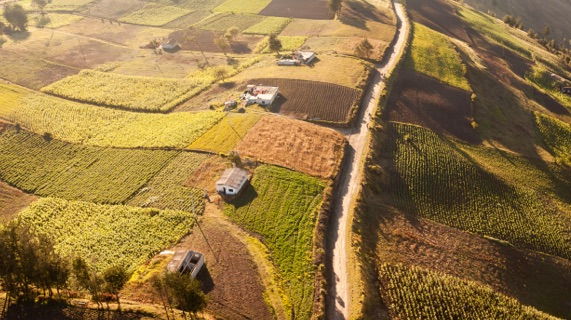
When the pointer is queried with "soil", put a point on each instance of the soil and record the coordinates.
(296, 145)
(12, 200)
(204, 177)
(203, 40)
(425, 101)
(304, 9)
(534, 279)
(312, 100)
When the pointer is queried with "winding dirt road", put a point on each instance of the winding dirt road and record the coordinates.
(352, 173)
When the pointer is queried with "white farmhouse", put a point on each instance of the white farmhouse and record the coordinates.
(232, 181)
(305, 57)
(186, 261)
(262, 95)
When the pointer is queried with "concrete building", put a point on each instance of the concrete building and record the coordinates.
(262, 95)
(186, 262)
(232, 182)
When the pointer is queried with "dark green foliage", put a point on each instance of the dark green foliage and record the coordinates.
(16, 17)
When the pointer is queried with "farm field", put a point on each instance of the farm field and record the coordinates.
(269, 25)
(167, 189)
(313, 100)
(556, 135)
(289, 43)
(434, 54)
(317, 9)
(295, 145)
(223, 21)
(54, 20)
(107, 235)
(113, 9)
(286, 226)
(540, 78)
(53, 168)
(414, 293)
(154, 15)
(224, 136)
(12, 201)
(242, 6)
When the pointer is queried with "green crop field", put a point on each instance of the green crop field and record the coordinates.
(434, 179)
(289, 43)
(556, 135)
(433, 54)
(541, 79)
(224, 21)
(224, 136)
(107, 235)
(166, 190)
(129, 92)
(281, 207)
(416, 293)
(270, 25)
(54, 168)
(155, 15)
(88, 124)
(243, 6)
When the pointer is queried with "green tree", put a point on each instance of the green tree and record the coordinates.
(88, 280)
(223, 44)
(335, 6)
(220, 73)
(16, 17)
(115, 278)
(274, 44)
(185, 292)
(231, 33)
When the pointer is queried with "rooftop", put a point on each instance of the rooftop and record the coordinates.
(233, 177)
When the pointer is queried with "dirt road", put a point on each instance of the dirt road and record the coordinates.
(352, 174)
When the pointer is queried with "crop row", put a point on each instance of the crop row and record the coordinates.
(155, 15)
(281, 207)
(224, 136)
(106, 235)
(416, 293)
(49, 167)
(556, 135)
(436, 180)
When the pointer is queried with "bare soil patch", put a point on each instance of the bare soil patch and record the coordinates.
(306, 9)
(205, 176)
(425, 101)
(294, 144)
(12, 201)
(313, 100)
(534, 279)
(113, 9)
(203, 40)
(440, 16)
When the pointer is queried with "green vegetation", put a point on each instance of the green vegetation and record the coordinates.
(436, 180)
(106, 235)
(288, 44)
(270, 25)
(54, 20)
(541, 78)
(167, 190)
(556, 136)
(87, 124)
(155, 15)
(243, 6)
(416, 293)
(281, 207)
(49, 167)
(224, 21)
(224, 136)
(129, 92)
(434, 54)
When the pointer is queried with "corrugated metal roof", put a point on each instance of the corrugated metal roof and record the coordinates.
(233, 177)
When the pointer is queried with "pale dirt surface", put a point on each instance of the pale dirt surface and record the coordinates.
(352, 175)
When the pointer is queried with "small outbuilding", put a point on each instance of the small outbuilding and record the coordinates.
(232, 182)
(186, 262)
(262, 95)
(566, 90)
(305, 57)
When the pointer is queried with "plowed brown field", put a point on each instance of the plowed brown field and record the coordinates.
(12, 201)
(305, 9)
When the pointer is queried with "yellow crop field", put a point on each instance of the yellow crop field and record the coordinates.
(155, 15)
(224, 136)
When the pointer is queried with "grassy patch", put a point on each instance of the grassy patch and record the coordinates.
(288, 44)
(281, 206)
(224, 21)
(87, 124)
(166, 190)
(63, 170)
(434, 179)
(224, 136)
(53, 20)
(270, 25)
(434, 54)
(242, 6)
(107, 235)
(556, 136)
(541, 78)
(155, 15)
(416, 293)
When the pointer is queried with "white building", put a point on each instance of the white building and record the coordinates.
(262, 95)
(186, 261)
(305, 56)
(232, 181)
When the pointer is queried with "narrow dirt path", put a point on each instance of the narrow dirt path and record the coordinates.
(352, 174)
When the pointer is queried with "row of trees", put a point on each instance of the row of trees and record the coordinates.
(30, 268)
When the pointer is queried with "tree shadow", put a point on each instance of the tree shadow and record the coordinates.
(61, 311)
(205, 278)
(18, 36)
(246, 197)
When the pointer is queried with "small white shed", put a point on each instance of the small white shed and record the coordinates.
(262, 95)
(232, 181)
(186, 261)
(305, 56)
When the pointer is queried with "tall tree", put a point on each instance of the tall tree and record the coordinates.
(16, 17)
(41, 4)
(335, 6)
(274, 44)
(185, 292)
(231, 33)
(115, 279)
(364, 49)
(223, 44)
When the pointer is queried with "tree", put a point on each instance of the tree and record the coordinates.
(220, 73)
(274, 44)
(115, 278)
(231, 33)
(222, 43)
(16, 17)
(41, 4)
(335, 6)
(364, 49)
(88, 280)
(185, 292)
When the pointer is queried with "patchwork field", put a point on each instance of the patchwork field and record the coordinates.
(295, 145)
(556, 135)
(203, 40)
(53, 168)
(242, 6)
(286, 225)
(289, 43)
(313, 9)
(269, 25)
(107, 235)
(12, 201)
(154, 15)
(224, 21)
(224, 136)
(313, 100)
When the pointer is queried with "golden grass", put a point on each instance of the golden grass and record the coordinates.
(295, 145)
